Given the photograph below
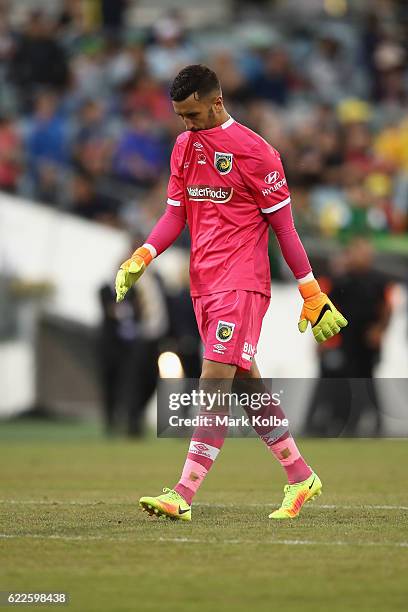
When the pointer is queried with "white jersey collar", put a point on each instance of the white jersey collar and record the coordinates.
(227, 123)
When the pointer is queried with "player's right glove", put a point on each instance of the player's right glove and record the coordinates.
(131, 270)
(320, 312)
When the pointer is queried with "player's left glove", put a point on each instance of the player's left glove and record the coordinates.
(131, 270)
(320, 312)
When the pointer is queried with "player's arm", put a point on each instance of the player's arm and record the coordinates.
(269, 187)
(325, 319)
(165, 233)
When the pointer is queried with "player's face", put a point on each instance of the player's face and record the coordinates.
(199, 114)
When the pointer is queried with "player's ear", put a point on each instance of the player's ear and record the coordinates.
(218, 104)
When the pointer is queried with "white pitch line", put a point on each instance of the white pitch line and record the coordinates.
(323, 506)
(42, 502)
(186, 540)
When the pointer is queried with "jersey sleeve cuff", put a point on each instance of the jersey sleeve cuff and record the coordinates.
(173, 202)
(276, 206)
(305, 279)
(151, 248)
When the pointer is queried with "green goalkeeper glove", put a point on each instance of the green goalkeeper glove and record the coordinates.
(320, 312)
(131, 270)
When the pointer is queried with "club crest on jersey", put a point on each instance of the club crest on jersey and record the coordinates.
(224, 331)
(223, 162)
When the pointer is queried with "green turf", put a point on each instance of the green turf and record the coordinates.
(69, 505)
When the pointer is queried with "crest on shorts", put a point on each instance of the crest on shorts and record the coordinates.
(224, 331)
(223, 162)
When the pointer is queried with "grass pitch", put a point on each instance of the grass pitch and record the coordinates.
(69, 521)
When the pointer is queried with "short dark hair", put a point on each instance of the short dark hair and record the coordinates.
(196, 77)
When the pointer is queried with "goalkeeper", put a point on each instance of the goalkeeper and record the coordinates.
(229, 185)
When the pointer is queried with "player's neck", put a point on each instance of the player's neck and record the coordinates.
(224, 116)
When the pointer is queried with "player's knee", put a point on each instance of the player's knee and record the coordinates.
(216, 370)
(253, 372)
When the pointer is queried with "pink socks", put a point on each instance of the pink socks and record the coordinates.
(287, 453)
(204, 447)
(207, 442)
(281, 444)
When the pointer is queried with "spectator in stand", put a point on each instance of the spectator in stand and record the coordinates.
(234, 85)
(329, 70)
(148, 93)
(277, 79)
(46, 140)
(38, 60)
(7, 40)
(93, 138)
(70, 23)
(113, 14)
(89, 69)
(170, 51)
(88, 204)
(10, 155)
(389, 81)
(124, 61)
(141, 154)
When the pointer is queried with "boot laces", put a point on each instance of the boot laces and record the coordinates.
(172, 494)
(290, 494)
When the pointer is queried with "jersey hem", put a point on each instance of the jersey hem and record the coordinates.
(197, 293)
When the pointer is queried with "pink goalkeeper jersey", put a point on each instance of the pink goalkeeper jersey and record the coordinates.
(225, 180)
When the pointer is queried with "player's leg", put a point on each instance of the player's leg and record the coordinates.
(278, 439)
(208, 439)
(220, 318)
(205, 444)
(303, 484)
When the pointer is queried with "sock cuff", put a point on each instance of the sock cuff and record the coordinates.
(203, 450)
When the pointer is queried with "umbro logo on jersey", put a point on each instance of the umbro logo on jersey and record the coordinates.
(272, 177)
(202, 193)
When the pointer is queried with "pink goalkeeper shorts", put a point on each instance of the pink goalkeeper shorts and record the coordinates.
(230, 325)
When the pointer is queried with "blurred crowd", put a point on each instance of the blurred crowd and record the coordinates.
(87, 126)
